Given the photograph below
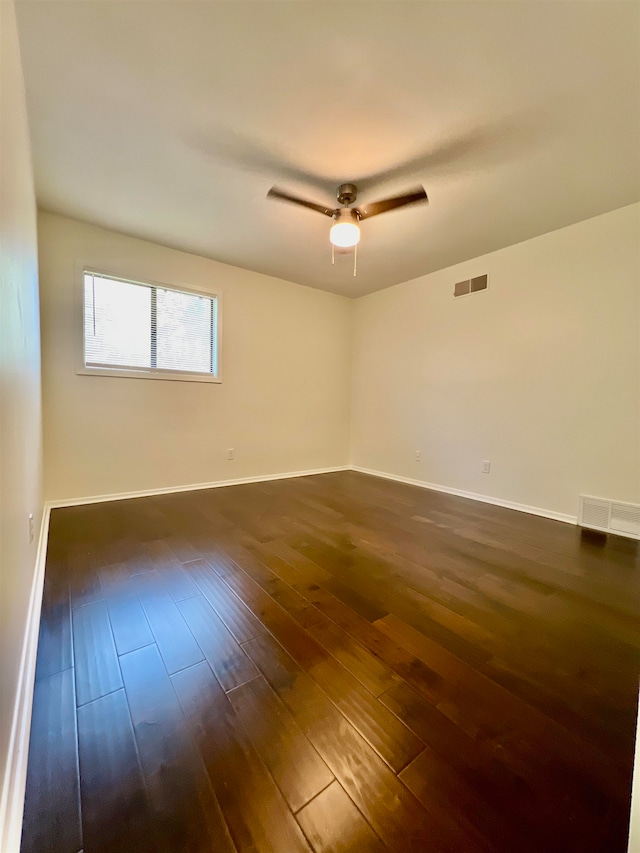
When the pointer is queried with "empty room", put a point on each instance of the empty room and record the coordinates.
(319, 426)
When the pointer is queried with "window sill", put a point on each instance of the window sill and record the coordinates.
(172, 376)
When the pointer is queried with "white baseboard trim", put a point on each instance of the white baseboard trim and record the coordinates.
(13, 784)
(532, 510)
(217, 484)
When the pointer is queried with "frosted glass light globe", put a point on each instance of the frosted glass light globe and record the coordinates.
(344, 234)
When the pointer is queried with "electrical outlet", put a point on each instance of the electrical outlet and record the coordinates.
(418, 456)
(31, 530)
(231, 454)
(486, 466)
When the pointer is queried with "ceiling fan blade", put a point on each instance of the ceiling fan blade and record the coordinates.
(274, 192)
(377, 207)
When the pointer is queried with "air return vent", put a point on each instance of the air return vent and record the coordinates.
(609, 516)
(472, 285)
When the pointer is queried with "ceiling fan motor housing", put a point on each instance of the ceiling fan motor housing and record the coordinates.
(347, 193)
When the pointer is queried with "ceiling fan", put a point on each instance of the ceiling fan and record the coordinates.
(345, 231)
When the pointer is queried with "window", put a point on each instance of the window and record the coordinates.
(133, 328)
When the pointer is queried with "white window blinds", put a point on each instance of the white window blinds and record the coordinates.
(148, 328)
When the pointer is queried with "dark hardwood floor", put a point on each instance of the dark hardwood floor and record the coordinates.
(331, 663)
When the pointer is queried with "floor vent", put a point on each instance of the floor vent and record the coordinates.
(609, 516)
(472, 285)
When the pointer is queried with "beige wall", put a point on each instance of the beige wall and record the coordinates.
(20, 419)
(283, 404)
(539, 375)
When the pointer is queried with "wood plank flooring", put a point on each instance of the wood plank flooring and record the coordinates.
(336, 664)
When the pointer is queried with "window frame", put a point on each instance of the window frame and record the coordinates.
(82, 369)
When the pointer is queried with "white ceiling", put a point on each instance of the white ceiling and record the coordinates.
(171, 120)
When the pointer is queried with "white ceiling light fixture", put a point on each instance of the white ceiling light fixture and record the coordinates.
(345, 231)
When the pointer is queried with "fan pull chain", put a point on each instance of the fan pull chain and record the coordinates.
(355, 258)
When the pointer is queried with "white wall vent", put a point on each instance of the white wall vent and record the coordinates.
(609, 516)
(472, 285)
